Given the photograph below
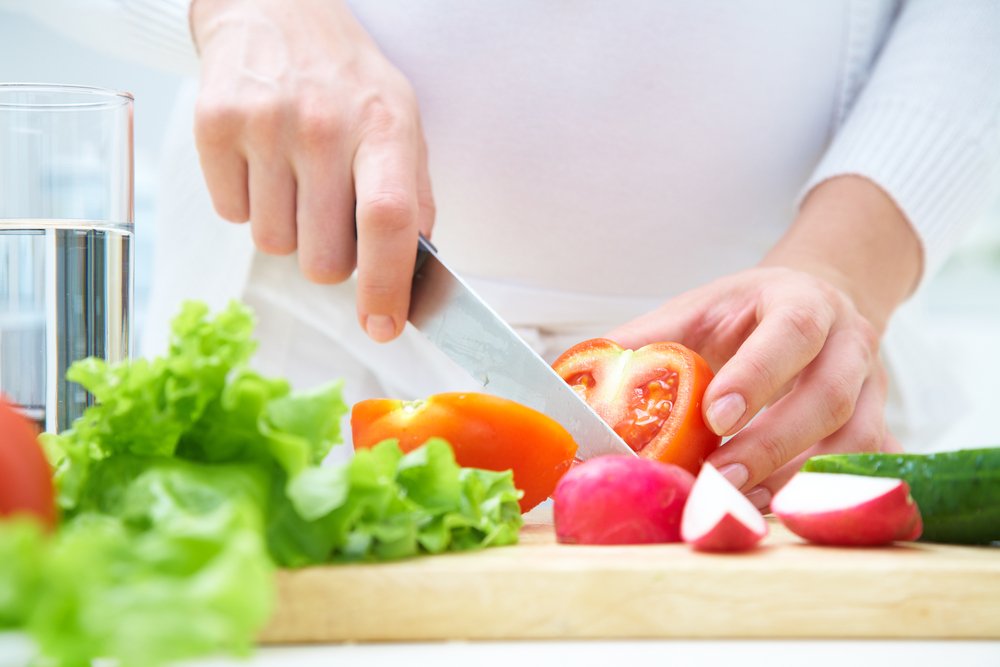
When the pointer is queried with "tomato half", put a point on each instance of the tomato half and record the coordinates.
(484, 431)
(25, 475)
(651, 396)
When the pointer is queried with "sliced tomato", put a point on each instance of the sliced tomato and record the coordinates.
(25, 475)
(484, 431)
(651, 396)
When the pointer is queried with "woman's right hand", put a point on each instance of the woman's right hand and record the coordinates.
(303, 127)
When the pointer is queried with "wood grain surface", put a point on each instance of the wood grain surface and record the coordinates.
(543, 590)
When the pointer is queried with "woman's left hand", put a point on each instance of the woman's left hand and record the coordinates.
(798, 335)
(786, 340)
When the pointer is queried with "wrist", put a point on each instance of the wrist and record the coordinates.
(312, 24)
(201, 13)
(850, 234)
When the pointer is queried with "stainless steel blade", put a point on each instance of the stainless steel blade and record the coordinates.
(466, 329)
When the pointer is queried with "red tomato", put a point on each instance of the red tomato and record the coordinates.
(651, 396)
(25, 475)
(484, 431)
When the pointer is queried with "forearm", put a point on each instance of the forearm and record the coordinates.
(329, 20)
(851, 234)
(924, 127)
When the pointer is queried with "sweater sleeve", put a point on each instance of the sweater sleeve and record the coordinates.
(155, 33)
(926, 125)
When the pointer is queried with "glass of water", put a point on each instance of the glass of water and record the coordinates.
(66, 224)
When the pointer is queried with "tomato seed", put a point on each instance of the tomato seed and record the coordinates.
(649, 410)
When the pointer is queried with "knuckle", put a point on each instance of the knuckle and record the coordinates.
(773, 450)
(232, 211)
(317, 125)
(838, 401)
(380, 289)
(325, 271)
(264, 118)
(382, 293)
(384, 117)
(215, 120)
(867, 439)
(806, 324)
(759, 374)
(273, 243)
(388, 211)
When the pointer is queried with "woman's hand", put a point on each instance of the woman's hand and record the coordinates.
(798, 335)
(303, 127)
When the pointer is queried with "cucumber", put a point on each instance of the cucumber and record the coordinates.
(958, 492)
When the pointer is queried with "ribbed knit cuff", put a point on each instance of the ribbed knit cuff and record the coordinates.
(938, 172)
(162, 28)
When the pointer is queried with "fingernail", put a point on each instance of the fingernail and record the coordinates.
(380, 328)
(736, 473)
(723, 413)
(760, 497)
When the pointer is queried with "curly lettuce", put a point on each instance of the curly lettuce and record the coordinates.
(194, 476)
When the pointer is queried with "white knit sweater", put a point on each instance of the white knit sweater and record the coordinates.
(590, 159)
(915, 106)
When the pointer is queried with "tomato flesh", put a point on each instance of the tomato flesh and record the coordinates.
(651, 396)
(650, 407)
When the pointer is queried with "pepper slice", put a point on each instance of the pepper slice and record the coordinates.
(484, 431)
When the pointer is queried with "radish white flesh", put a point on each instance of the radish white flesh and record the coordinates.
(848, 510)
(717, 517)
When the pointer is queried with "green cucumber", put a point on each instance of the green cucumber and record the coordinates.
(958, 492)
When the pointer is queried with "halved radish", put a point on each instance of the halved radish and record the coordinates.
(718, 517)
(848, 510)
(621, 500)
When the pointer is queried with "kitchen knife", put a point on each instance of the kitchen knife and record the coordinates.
(465, 328)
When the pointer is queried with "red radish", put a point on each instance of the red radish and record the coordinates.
(718, 517)
(848, 510)
(621, 500)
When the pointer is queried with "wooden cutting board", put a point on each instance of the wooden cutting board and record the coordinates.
(543, 590)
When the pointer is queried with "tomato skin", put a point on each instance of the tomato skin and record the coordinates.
(484, 431)
(614, 380)
(25, 475)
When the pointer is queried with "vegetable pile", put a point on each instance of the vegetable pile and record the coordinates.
(652, 398)
(191, 478)
(631, 500)
(958, 492)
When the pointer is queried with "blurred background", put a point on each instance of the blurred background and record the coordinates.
(959, 307)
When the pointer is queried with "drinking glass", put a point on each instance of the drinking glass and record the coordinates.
(66, 225)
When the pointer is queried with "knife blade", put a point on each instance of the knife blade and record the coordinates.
(463, 326)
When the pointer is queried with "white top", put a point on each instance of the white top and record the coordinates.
(591, 160)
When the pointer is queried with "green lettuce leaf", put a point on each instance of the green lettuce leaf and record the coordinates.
(192, 477)
(385, 505)
(21, 548)
(181, 571)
